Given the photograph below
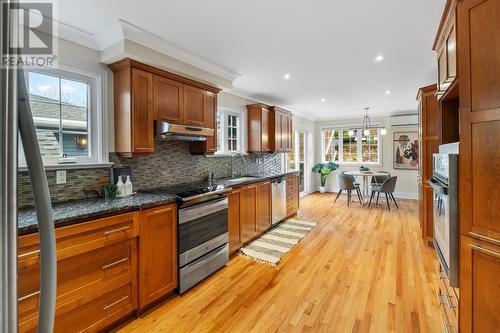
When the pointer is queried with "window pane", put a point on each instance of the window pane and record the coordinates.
(45, 114)
(330, 144)
(74, 93)
(301, 138)
(369, 147)
(349, 147)
(220, 133)
(43, 87)
(75, 145)
(74, 118)
(48, 141)
(301, 177)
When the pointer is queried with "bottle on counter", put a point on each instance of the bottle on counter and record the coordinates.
(120, 186)
(128, 186)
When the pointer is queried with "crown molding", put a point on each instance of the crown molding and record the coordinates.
(76, 35)
(145, 38)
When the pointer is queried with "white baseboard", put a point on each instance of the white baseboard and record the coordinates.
(399, 195)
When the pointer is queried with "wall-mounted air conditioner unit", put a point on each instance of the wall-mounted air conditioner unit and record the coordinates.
(404, 120)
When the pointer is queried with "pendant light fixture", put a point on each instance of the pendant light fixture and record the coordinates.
(367, 125)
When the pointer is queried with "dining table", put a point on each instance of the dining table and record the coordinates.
(366, 182)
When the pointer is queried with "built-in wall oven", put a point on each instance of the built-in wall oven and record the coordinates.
(444, 183)
(203, 236)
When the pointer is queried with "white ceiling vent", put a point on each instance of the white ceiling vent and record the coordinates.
(404, 120)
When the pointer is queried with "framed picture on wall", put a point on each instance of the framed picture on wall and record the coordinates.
(405, 150)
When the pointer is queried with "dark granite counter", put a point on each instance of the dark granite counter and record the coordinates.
(79, 211)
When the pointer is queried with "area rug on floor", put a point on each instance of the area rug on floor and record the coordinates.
(272, 246)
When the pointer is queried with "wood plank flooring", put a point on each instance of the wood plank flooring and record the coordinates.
(359, 270)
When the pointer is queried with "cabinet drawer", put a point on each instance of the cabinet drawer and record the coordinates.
(78, 276)
(80, 238)
(97, 314)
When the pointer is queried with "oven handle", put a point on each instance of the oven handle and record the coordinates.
(438, 188)
(194, 212)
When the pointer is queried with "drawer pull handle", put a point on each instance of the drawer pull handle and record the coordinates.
(449, 303)
(485, 250)
(121, 299)
(114, 263)
(122, 229)
(36, 293)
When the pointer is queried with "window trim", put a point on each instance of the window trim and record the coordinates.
(241, 132)
(98, 79)
(359, 148)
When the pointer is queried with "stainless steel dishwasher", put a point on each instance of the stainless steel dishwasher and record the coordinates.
(278, 200)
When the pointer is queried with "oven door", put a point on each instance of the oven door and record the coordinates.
(440, 167)
(441, 206)
(202, 228)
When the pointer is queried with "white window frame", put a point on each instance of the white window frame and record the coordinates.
(97, 79)
(240, 132)
(359, 135)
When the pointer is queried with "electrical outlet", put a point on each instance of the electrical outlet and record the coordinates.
(61, 177)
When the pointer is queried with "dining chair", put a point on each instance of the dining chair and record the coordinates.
(378, 180)
(353, 178)
(346, 184)
(387, 187)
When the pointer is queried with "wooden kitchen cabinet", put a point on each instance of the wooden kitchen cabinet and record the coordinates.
(234, 220)
(292, 195)
(144, 94)
(263, 207)
(157, 253)
(168, 100)
(97, 274)
(269, 129)
(445, 46)
(479, 286)
(248, 228)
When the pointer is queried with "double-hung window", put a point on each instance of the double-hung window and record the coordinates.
(351, 146)
(67, 113)
(228, 132)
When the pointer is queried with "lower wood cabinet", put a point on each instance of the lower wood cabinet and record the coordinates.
(479, 286)
(248, 228)
(157, 253)
(263, 207)
(233, 199)
(292, 195)
(97, 274)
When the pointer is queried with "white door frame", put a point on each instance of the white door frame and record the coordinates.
(306, 162)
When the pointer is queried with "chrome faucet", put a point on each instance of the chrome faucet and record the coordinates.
(233, 174)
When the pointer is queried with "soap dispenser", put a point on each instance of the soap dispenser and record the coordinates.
(120, 186)
(128, 186)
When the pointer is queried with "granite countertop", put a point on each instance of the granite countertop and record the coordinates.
(79, 211)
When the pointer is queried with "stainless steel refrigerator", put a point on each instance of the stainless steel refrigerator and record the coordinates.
(16, 122)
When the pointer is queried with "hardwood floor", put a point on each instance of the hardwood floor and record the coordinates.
(359, 270)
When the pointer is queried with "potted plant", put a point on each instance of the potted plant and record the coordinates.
(324, 170)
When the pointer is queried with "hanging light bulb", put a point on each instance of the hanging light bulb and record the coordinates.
(383, 131)
(351, 132)
(366, 132)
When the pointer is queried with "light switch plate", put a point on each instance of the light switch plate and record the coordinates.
(61, 177)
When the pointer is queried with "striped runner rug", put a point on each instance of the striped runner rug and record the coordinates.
(272, 246)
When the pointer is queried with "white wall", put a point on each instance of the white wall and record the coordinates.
(406, 186)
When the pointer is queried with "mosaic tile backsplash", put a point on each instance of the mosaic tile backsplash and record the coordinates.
(170, 164)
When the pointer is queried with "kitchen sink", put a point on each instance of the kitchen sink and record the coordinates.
(241, 179)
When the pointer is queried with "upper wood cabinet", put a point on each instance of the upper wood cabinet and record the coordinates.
(445, 46)
(269, 129)
(158, 253)
(168, 100)
(145, 94)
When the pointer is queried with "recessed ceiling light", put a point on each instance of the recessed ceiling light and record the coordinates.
(379, 58)
(287, 76)
(323, 100)
(387, 92)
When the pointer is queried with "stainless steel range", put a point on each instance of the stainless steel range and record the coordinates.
(203, 233)
(444, 183)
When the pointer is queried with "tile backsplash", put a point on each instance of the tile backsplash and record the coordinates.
(170, 164)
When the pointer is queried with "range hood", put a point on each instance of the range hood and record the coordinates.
(169, 131)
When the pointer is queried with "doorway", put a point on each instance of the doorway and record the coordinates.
(296, 159)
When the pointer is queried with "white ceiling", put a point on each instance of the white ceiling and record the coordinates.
(328, 46)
